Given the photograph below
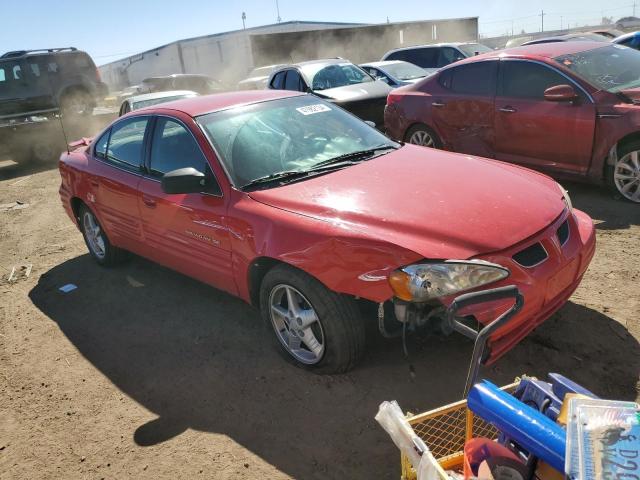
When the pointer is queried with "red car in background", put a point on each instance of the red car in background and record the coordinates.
(301, 209)
(570, 109)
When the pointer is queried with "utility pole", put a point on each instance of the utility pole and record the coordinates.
(278, 10)
(542, 14)
(634, 9)
(244, 17)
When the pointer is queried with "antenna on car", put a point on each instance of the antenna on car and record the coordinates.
(59, 115)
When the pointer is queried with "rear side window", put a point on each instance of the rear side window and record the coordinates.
(126, 142)
(3, 75)
(174, 147)
(471, 79)
(278, 81)
(423, 57)
(528, 79)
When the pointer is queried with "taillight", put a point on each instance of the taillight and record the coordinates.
(393, 98)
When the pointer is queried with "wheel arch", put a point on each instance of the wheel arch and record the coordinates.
(614, 151)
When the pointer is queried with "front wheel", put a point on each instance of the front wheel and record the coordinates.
(423, 136)
(76, 103)
(624, 175)
(315, 328)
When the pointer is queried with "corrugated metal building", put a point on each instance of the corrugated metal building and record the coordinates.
(229, 56)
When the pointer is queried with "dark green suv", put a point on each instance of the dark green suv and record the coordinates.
(39, 82)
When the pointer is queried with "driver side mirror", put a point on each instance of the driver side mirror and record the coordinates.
(560, 93)
(183, 180)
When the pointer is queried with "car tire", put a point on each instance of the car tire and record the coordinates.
(423, 136)
(100, 248)
(324, 332)
(624, 175)
(76, 103)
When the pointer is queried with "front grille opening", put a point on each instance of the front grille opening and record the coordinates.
(531, 256)
(563, 232)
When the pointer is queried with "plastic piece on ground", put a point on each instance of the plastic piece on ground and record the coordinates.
(529, 428)
(68, 288)
(480, 449)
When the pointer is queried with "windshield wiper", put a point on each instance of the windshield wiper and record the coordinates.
(350, 158)
(287, 174)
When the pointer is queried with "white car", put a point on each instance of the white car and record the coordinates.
(147, 99)
(257, 79)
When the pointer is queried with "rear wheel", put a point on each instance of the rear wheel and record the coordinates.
(624, 175)
(314, 328)
(423, 136)
(97, 241)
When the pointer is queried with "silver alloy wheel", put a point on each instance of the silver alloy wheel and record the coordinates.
(422, 138)
(94, 234)
(626, 176)
(296, 324)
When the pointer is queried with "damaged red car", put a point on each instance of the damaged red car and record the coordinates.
(569, 109)
(308, 213)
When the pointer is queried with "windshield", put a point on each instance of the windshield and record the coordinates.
(156, 101)
(612, 68)
(289, 134)
(404, 70)
(335, 75)
(472, 49)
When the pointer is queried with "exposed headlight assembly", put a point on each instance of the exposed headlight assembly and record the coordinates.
(565, 197)
(425, 281)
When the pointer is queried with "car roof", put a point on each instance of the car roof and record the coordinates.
(626, 36)
(327, 61)
(538, 51)
(382, 63)
(152, 96)
(196, 106)
(429, 45)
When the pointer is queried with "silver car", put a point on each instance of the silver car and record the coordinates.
(396, 73)
(147, 99)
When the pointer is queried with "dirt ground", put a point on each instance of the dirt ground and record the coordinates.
(143, 373)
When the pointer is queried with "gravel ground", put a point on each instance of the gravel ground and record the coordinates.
(143, 373)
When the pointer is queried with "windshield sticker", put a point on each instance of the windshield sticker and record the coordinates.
(311, 109)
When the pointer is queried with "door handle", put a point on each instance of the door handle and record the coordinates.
(437, 104)
(148, 201)
(508, 109)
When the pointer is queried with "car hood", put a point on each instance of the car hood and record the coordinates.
(358, 91)
(438, 204)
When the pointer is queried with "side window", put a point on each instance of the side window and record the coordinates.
(126, 143)
(449, 55)
(3, 75)
(101, 145)
(423, 57)
(528, 79)
(278, 81)
(174, 147)
(474, 78)
(35, 69)
(292, 81)
(17, 72)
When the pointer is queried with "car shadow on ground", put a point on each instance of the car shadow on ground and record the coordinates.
(10, 170)
(609, 210)
(201, 359)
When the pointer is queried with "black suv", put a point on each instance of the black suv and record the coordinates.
(39, 82)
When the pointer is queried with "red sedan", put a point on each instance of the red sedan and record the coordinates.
(570, 109)
(310, 214)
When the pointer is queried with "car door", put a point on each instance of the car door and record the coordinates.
(114, 178)
(463, 109)
(551, 136)
(186, 232)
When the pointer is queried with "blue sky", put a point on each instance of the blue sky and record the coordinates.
(112, 29)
